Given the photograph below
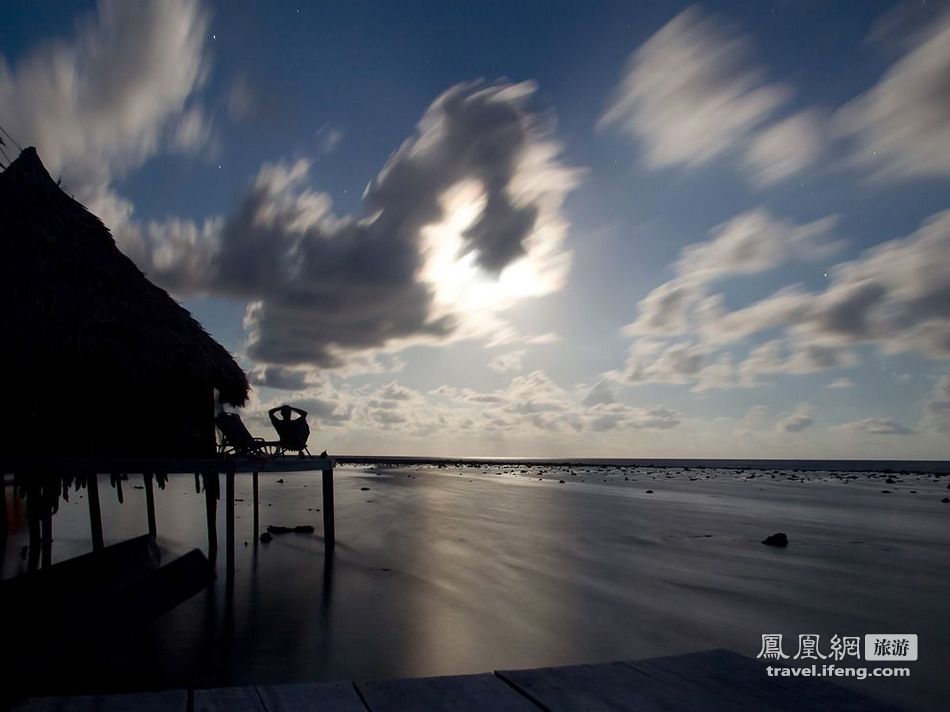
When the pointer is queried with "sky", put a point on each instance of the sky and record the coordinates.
(528, 228)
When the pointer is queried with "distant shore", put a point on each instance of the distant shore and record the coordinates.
(941, 467)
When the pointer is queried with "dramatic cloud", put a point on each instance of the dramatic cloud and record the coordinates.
(99, 105)
(690, 93)
(286, 379)
(463, 220)
(902, 125)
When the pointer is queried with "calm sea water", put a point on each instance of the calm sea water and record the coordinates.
(459, 570)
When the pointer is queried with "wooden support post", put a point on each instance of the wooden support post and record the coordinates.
(329, 532)
(3, 518)
(150, 504)
(229, 517)
(256, 520)
(211, 510)
(95, 513)
(47, 522)
(3, 510)
(33, 515)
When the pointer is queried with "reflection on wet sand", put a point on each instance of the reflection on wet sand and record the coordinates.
(442, 571)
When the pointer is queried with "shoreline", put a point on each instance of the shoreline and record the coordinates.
(929, 467)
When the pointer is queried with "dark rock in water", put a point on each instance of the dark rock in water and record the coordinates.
(649, 491)
(560, 482)
(299, 529)
(266, 537)
(890, 481)
(280, 481)
(885, 491)
(364, 489)
(945, 500)
(777, 539)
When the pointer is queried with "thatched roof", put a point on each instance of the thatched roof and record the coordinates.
(75, 313)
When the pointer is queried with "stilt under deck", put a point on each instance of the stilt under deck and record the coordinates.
(210, 471)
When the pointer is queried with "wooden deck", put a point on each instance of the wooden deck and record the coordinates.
(714, 680)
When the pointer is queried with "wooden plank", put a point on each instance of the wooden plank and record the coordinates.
(722, 683)
(167, 701)
(599, 688)
(741, 671)
(329, 527)
(330, 696)
(228, 699)
(459, 693)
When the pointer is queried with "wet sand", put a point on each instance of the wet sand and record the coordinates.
(448, 570)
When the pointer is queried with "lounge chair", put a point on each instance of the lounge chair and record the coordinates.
(293, 436)
(237, 440)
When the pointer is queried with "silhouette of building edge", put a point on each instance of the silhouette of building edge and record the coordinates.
(96, 359)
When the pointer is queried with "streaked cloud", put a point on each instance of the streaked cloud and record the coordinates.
(691, 94)
(99, 104)
(752, 242)
(786, 147)
(876, 426)
(901, 126)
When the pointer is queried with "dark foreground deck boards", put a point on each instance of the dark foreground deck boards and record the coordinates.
(723, 674)
(168, 701)
(331, 696)
(714, 680)
(459, 693)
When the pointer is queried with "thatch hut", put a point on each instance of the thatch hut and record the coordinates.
(96, 360)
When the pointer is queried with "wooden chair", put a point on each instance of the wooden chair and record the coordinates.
(237, 440)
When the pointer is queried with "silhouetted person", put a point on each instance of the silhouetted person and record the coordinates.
(293, 432)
